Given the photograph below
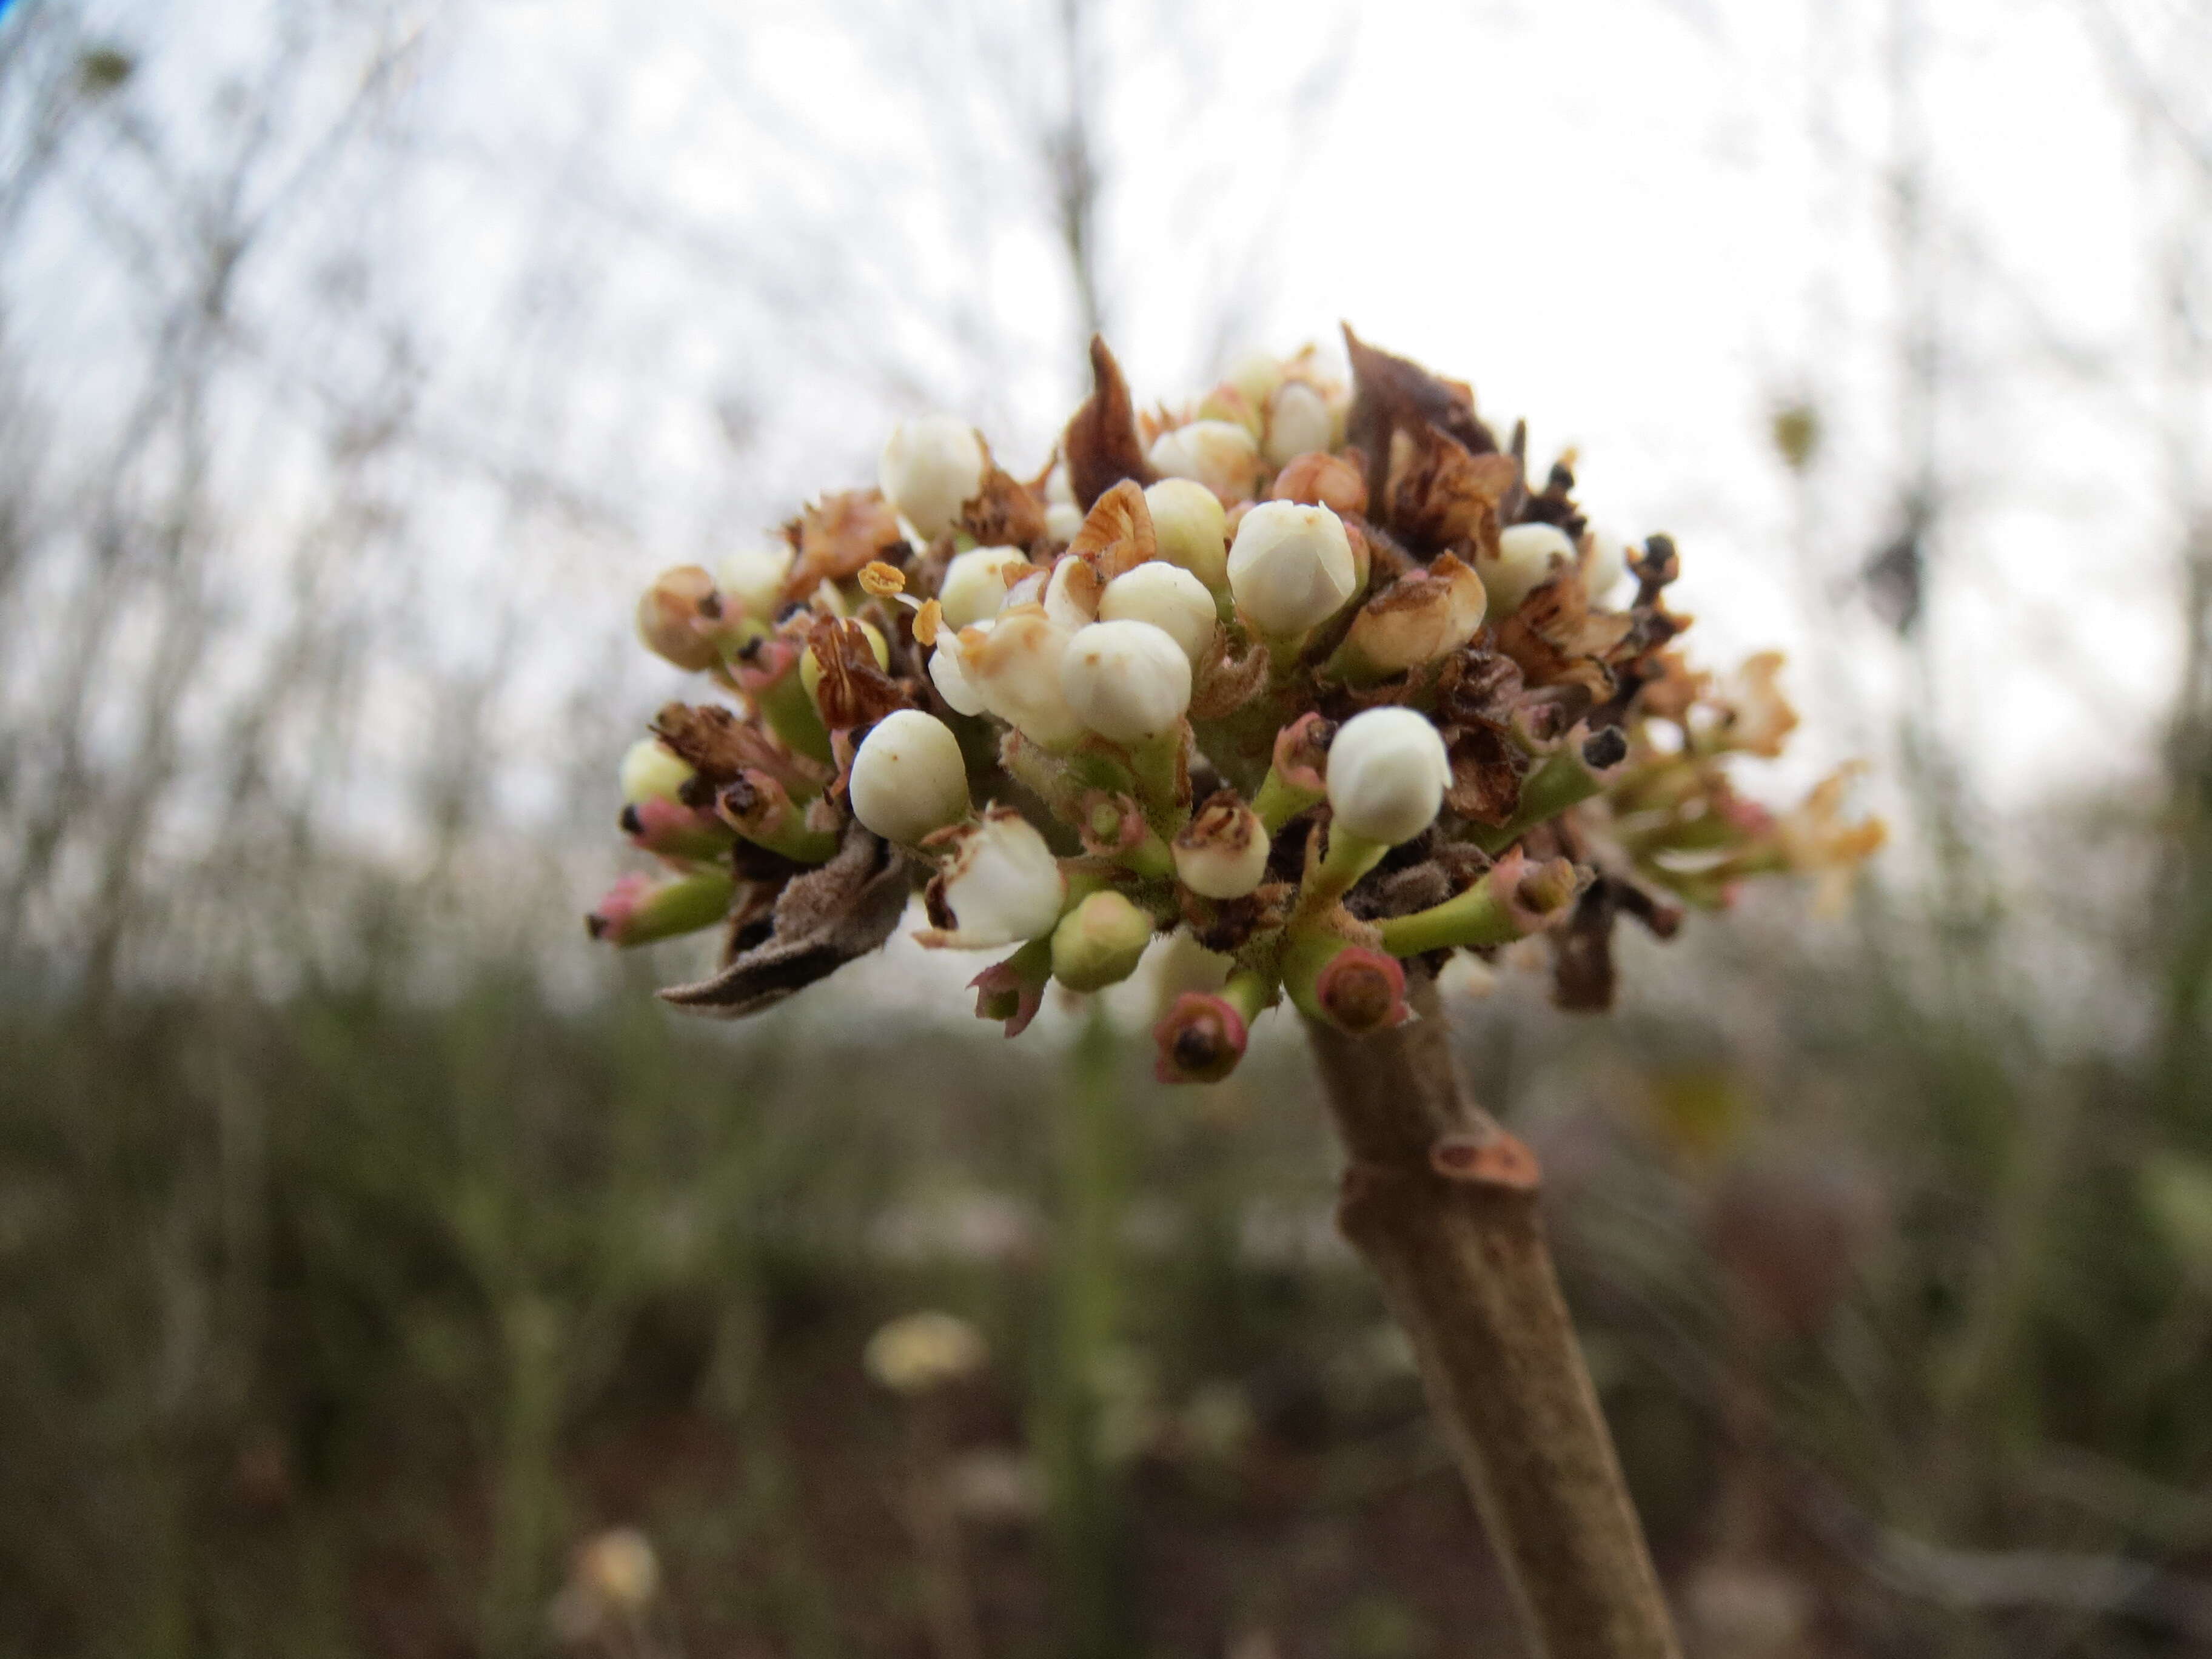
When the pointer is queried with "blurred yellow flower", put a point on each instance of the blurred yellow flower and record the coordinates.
(923, 1351)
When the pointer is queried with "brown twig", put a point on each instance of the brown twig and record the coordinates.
(1442, 1202)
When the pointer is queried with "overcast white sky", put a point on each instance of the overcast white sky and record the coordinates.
(620, 233)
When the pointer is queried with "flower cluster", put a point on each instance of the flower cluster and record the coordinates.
(1322, 677)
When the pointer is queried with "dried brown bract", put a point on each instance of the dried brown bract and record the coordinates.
(837, 537)
(853, 691)
(1101, 446)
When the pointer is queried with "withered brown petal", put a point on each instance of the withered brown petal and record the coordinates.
(1117, 534)
(837, 537)
(1390, 394)
(1101, 444)
(1486, 773)
(823, 920)
(713, 742)
(1449, 497)
(1004, 514)
(852, 692)
(1479, 686)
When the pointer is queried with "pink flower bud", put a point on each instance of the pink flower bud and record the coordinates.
(638, 910)
(1362, 990)
(676, 617)
(1201, 1039)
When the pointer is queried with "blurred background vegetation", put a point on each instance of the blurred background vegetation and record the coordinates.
(372, 1253)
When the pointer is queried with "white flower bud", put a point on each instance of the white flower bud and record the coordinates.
(974, 584)
(1192, 529)
(908, 777)
(653, 771)
(1220, 454)
(1167, 596)
(1292, 568)
(1014, 668)
(1298, 422)
(951, 678)
(1256, 376)
(1387, 774)
(1127, 681)
(1003, 884)
(1071, 594)
(1062, 516)
(754, 578)
(930, 467)
(1222, 853)
(1528, 556)
(1604, 561)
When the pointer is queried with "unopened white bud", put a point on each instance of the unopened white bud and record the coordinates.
(1298, 422)
(1014, 668)
(1129, 681)
(1062, 516)
(1220, 454)
(1604, 561)
(653, 771)
(1256, 376)
(951, 678)
(1292, 568)
(908, 777)
(1529, 554)
(930, 468)
(754, 578)
(1387, 772)
(1167, 596)
(974, 584)
(1191, 528)
(1002, 884)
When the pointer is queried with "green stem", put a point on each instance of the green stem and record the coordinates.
(786, 833)
(1475, 917)
(1278, 802)
(791, 714)
(1306, 952)
(1346, 859)
(1560, 782)
(1090, 1534)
